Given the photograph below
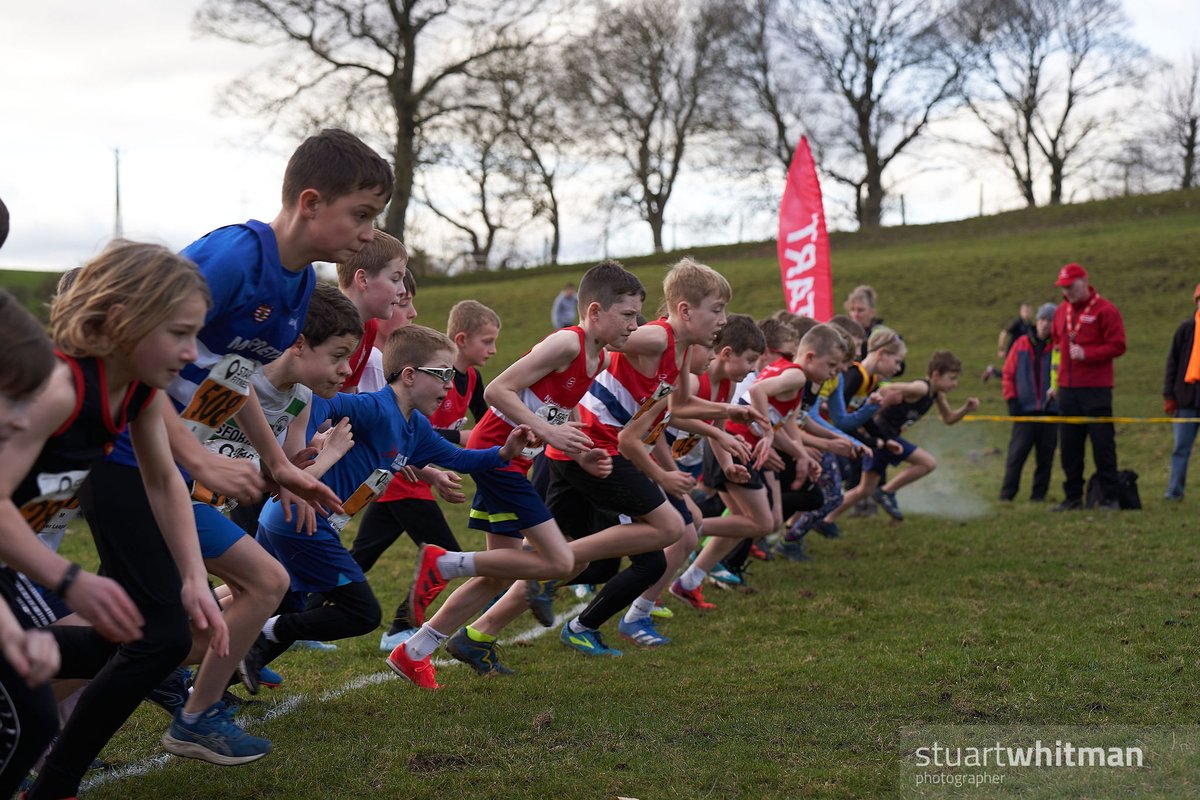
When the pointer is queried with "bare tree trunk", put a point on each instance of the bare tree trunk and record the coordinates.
(1189, 155)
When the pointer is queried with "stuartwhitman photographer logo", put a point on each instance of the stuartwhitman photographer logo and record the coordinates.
(1048, 761)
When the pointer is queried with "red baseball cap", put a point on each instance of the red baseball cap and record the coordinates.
(1069, 274)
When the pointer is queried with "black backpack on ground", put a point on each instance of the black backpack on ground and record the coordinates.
(1127, 492)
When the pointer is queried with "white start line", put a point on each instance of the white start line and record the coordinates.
(293, 702)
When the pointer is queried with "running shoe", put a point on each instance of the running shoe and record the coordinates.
(390, 641)
(540, 596)
(642, 633)
(309, 644)
(419, 673)
(693, 597)
(721, 574)
(792, 551)
(588, 642)
(249, 667)
(760, 554)
(483, 657)
(583, 590)
(660, 611)
(427, 583)
(887, 501)
(172, 693)
(800, 528)
(269, 678)
(829, 530)
(214, 738)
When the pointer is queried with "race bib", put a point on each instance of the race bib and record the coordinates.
(662, 391)
(367, 491)
(56, 505)
(554, 415)
(220, 395)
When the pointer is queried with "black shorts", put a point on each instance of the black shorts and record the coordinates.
(584, 504)
(714, 477)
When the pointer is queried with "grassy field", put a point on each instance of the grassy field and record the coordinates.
(970, 614)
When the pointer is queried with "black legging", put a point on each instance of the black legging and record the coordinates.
(341, 613)
(383, 523)
(133, 553)
(622, 589)
(28, 721)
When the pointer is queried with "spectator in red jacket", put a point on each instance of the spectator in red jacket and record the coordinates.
(1028, 381)
(1089, 334)
(1181, 396)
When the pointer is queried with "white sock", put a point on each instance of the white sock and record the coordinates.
(268, 629)
(576, 626)
(424, 642)
(640, 609)
(190, 717)
(692, 577)
(456, 565)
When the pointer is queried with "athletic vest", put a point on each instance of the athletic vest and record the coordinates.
(621, 394)
(867, 383)
(778, 411)
(46, 496)
(551, 397)
(894, 419)
(450, 415)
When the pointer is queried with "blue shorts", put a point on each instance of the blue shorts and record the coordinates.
(315, 563)
(505, 503)
(885, 458)
(217, 532)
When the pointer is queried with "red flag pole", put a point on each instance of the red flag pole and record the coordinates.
(803, 244)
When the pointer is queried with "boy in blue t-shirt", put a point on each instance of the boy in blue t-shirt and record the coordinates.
(391, 432)
(260, 279)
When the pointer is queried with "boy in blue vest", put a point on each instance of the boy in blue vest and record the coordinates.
(1030, 375)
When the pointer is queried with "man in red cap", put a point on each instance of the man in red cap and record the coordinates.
(1181, 395)
(1088, 333)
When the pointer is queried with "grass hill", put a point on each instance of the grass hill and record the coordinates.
(969, 623)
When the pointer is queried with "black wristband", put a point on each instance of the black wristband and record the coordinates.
(68, 580)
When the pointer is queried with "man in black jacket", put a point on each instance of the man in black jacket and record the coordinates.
(1181, 396)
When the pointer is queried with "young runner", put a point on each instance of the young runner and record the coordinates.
(409, 506)
(539, 390)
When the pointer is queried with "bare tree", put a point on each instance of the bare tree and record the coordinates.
(889, 66)
(528, 87)
(389, 67)
(477, 149)
(653, 80)
(1181, 107)
(1045, 64)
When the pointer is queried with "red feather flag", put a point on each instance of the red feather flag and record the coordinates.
(803, 243)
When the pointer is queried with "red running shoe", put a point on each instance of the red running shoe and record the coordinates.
(693, 597)
(419, 673)
(427, 583)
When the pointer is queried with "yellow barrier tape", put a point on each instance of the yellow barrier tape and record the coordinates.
(1081, 420)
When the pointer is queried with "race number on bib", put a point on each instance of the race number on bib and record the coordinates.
(367, 491)
(554, 415)
(221, 395)
(55, 506)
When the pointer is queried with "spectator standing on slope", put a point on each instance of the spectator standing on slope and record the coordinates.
(1089, 334)
(1181, 396)
(564, 312)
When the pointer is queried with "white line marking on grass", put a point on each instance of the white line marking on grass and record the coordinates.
(293, 702)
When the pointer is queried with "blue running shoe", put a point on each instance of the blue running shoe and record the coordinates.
(172, 693)
(390, 641)
(309, 644)
(214, 738)
(589, 642)
(483, 657)
(887, 501)
(829, 530)
(721, 574)
(269, 678)
(540, 596)
(642, 633)
(792, 551)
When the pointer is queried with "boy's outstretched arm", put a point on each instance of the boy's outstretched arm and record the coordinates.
(950, 416)
(551, 354)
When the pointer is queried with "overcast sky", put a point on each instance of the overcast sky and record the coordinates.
(80, 79)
